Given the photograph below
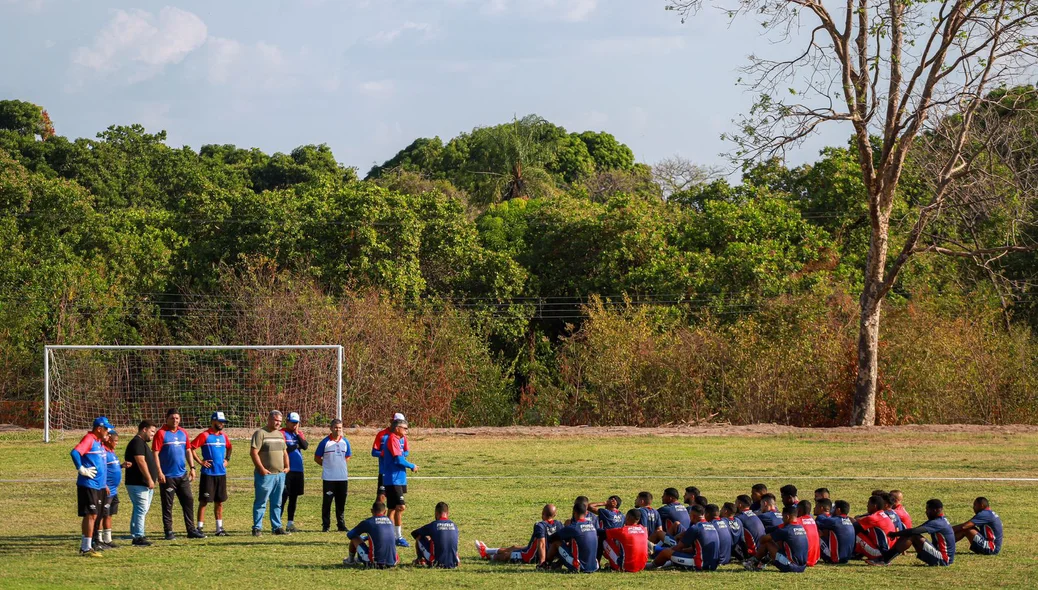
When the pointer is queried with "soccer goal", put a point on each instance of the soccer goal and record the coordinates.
(132, 383)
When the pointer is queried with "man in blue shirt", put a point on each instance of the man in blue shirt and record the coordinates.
(576, 545)
(176, 472)
(938, 550)
(114, 476)
(650, 519)
(769, 515)
(836, 534)
(785, 548)
(216, 453)
(698, 548)
(393, 465)
(90, 458)
(372, 541)
(333, 455)
(752, 527)
(535, 551)
(296, 443)
(609, 517)
(734, 527)
(437, 542)
(673, 517)
(724, 536)
(984, 530)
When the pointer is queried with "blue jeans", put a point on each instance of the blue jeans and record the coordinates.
(140, 497)
(268, 487)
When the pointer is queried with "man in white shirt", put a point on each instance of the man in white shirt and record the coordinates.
(332, 454)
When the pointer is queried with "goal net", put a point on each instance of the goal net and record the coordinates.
(132, 383)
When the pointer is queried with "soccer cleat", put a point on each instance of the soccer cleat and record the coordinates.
(419, 562)
(281, 531)
(256, 532)
(341, 528)
(482, 548)
(110, 544)
(141, 542)
(89, 553)
(752, 565)
(348, 561)
(402, 542)
(324, 529)
(220, 533)
(291, 528)
(195, 534)
(171, 536)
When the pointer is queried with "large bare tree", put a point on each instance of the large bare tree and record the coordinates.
(909, 77)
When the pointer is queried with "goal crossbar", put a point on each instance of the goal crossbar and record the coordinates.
(48, 349)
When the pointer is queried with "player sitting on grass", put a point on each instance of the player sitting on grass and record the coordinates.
(697, 549)
(769, 515)
(835, 530)
(608, 517)
(805, 520)
(627, 547)
(650, 517)
(574, 546)
(821, 494)
(984, 530)
(752, 527)
(590, 516)
(756, 493)
(535, 551)
(373, 541)
(789, 495)
(888, 509)
(673, 518)
(939, 550)
(724, 536)
(785, 548)
(872, 530)
(734, 527)
(437, 542)
(898, 499)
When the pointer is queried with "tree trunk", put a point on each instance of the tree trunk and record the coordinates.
(864, 411)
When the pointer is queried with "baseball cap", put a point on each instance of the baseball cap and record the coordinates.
(102, 421)
(112, 432)
(218, 416)
(293, 416)
(400, 417)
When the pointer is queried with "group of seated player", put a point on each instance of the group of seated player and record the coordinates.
(697, 535)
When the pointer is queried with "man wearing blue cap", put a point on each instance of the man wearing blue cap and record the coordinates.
(216, 453)
(89, 457)
(296, 443)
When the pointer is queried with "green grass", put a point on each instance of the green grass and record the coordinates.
(39, 529)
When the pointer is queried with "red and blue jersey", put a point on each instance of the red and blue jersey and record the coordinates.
(814, 552)
(896, 519)
(91, 453)
(942, 537)
(215, 446)
(837, 533)
(113, 472)
(394, 464)
(989, 525)
(295, 455)
(874, 528)
(650, 519)
(675, 512)
(752, 531)
(609, 519)
(541, 530)
(381, 540)
(903, 515)
(172, 448)
(581, 541)
(792, 541)
(376, 447)
(770, 520)
(724, 541)
(702, 543)
(443, 542)
(735, 528)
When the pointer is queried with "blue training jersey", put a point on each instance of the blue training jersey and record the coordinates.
(770, 520)
(942, 537)
(295, 455)
(792, 540)
(113, 472)
(650, 519)
(393, 463)
(989, 525)
(724, 541)
(214, 446)
(172, 448)
(752, 531)
(91, 453)
(382, 536)
(701, 540)
(581, 539)
(899, 525)
(443, 546)
(675, 512)
(609, 519)
(838, 535)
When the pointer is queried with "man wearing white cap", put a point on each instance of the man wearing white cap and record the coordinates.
(376, 451)
(216, 453)
(90, 460)
(296, 444)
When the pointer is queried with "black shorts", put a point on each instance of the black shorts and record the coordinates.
(294, 483)
(90, 501)
(381, 491)
(395, 496)
(113, 506)
(212, 488)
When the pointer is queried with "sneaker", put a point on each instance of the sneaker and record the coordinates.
(324, 529)
(195, 534)
(341, 528)
(110, 544)
(419, 562)
(281, 532)
(348, 561)
(482, 548)
(402, 542)
(141, 542)
(220, 533)
(752, 565)
(97, 546)
(171, 536)
(291, 529)
(256, 532)
(89, 553)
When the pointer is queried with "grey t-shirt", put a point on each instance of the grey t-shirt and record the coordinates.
(271, 445)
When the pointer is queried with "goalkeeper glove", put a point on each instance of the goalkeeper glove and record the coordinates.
(88, 472)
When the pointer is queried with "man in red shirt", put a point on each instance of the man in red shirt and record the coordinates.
(626, 547)
(872, 530)
(898, 498)
(814, 545)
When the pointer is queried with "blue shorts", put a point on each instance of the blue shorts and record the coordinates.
(930, 555)
(691, 561)
(981, 546)
(784, 565)
(571, 562)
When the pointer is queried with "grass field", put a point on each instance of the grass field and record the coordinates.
(496, 486)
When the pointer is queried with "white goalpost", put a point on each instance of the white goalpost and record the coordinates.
(132, 383)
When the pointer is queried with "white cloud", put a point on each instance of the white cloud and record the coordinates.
(378, 88)
(426, 31)
(259, 65)
(143, 43)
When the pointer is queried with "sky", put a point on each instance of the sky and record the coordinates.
(367, 77)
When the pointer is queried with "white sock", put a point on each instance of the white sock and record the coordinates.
(491, 552)
(219, 524)
(399, 534)
(291, 523)
(107, 538)
(200, 525)
(85, 543)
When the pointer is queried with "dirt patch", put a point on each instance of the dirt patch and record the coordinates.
(11, 428)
